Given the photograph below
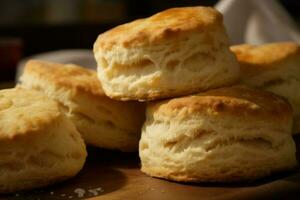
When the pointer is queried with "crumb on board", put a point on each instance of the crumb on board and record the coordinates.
(80, 192)
(95, 191)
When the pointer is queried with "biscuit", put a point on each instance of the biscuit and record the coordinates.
(176, 52)
(273, 67)
(103, 122)
(229, 134)
(39, 145)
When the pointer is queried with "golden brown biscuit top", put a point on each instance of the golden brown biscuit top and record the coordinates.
(23, 111)
(66, 75)
(163, 25)
(236, 101)
(265, 55)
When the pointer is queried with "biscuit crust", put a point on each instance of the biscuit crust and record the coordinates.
(238, 101)
(162, 26)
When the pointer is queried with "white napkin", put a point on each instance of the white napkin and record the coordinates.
(257, 21)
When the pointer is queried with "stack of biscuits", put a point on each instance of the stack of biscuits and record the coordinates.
(169, 86)
(199, 127)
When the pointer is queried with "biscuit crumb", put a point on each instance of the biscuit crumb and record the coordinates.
(80, 192)
(96, 191)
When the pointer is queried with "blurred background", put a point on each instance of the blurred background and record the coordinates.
(28, 27)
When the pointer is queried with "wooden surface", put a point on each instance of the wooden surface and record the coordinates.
(115, 175)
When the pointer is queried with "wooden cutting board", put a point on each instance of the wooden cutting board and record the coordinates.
(114, 175)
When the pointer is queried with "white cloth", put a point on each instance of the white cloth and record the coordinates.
(257, 21)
